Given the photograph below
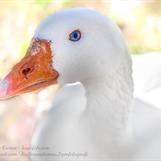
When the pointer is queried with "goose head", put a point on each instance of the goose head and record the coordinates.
(74, 45)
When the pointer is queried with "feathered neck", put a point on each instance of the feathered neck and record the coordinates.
(109, 101)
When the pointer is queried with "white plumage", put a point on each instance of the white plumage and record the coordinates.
(147, 77)
(94, 115)
(97, 117)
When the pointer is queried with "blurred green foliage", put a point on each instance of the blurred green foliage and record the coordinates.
(43, 3)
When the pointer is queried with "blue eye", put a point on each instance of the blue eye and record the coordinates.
(75, 35)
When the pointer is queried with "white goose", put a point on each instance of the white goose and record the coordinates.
(90, 119)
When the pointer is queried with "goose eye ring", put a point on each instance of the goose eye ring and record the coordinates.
(75, 35)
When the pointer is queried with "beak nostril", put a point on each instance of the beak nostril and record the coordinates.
(26, 71)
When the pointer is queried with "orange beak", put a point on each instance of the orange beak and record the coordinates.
(33, 72)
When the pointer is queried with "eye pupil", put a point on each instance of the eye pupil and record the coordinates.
(75, 35)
